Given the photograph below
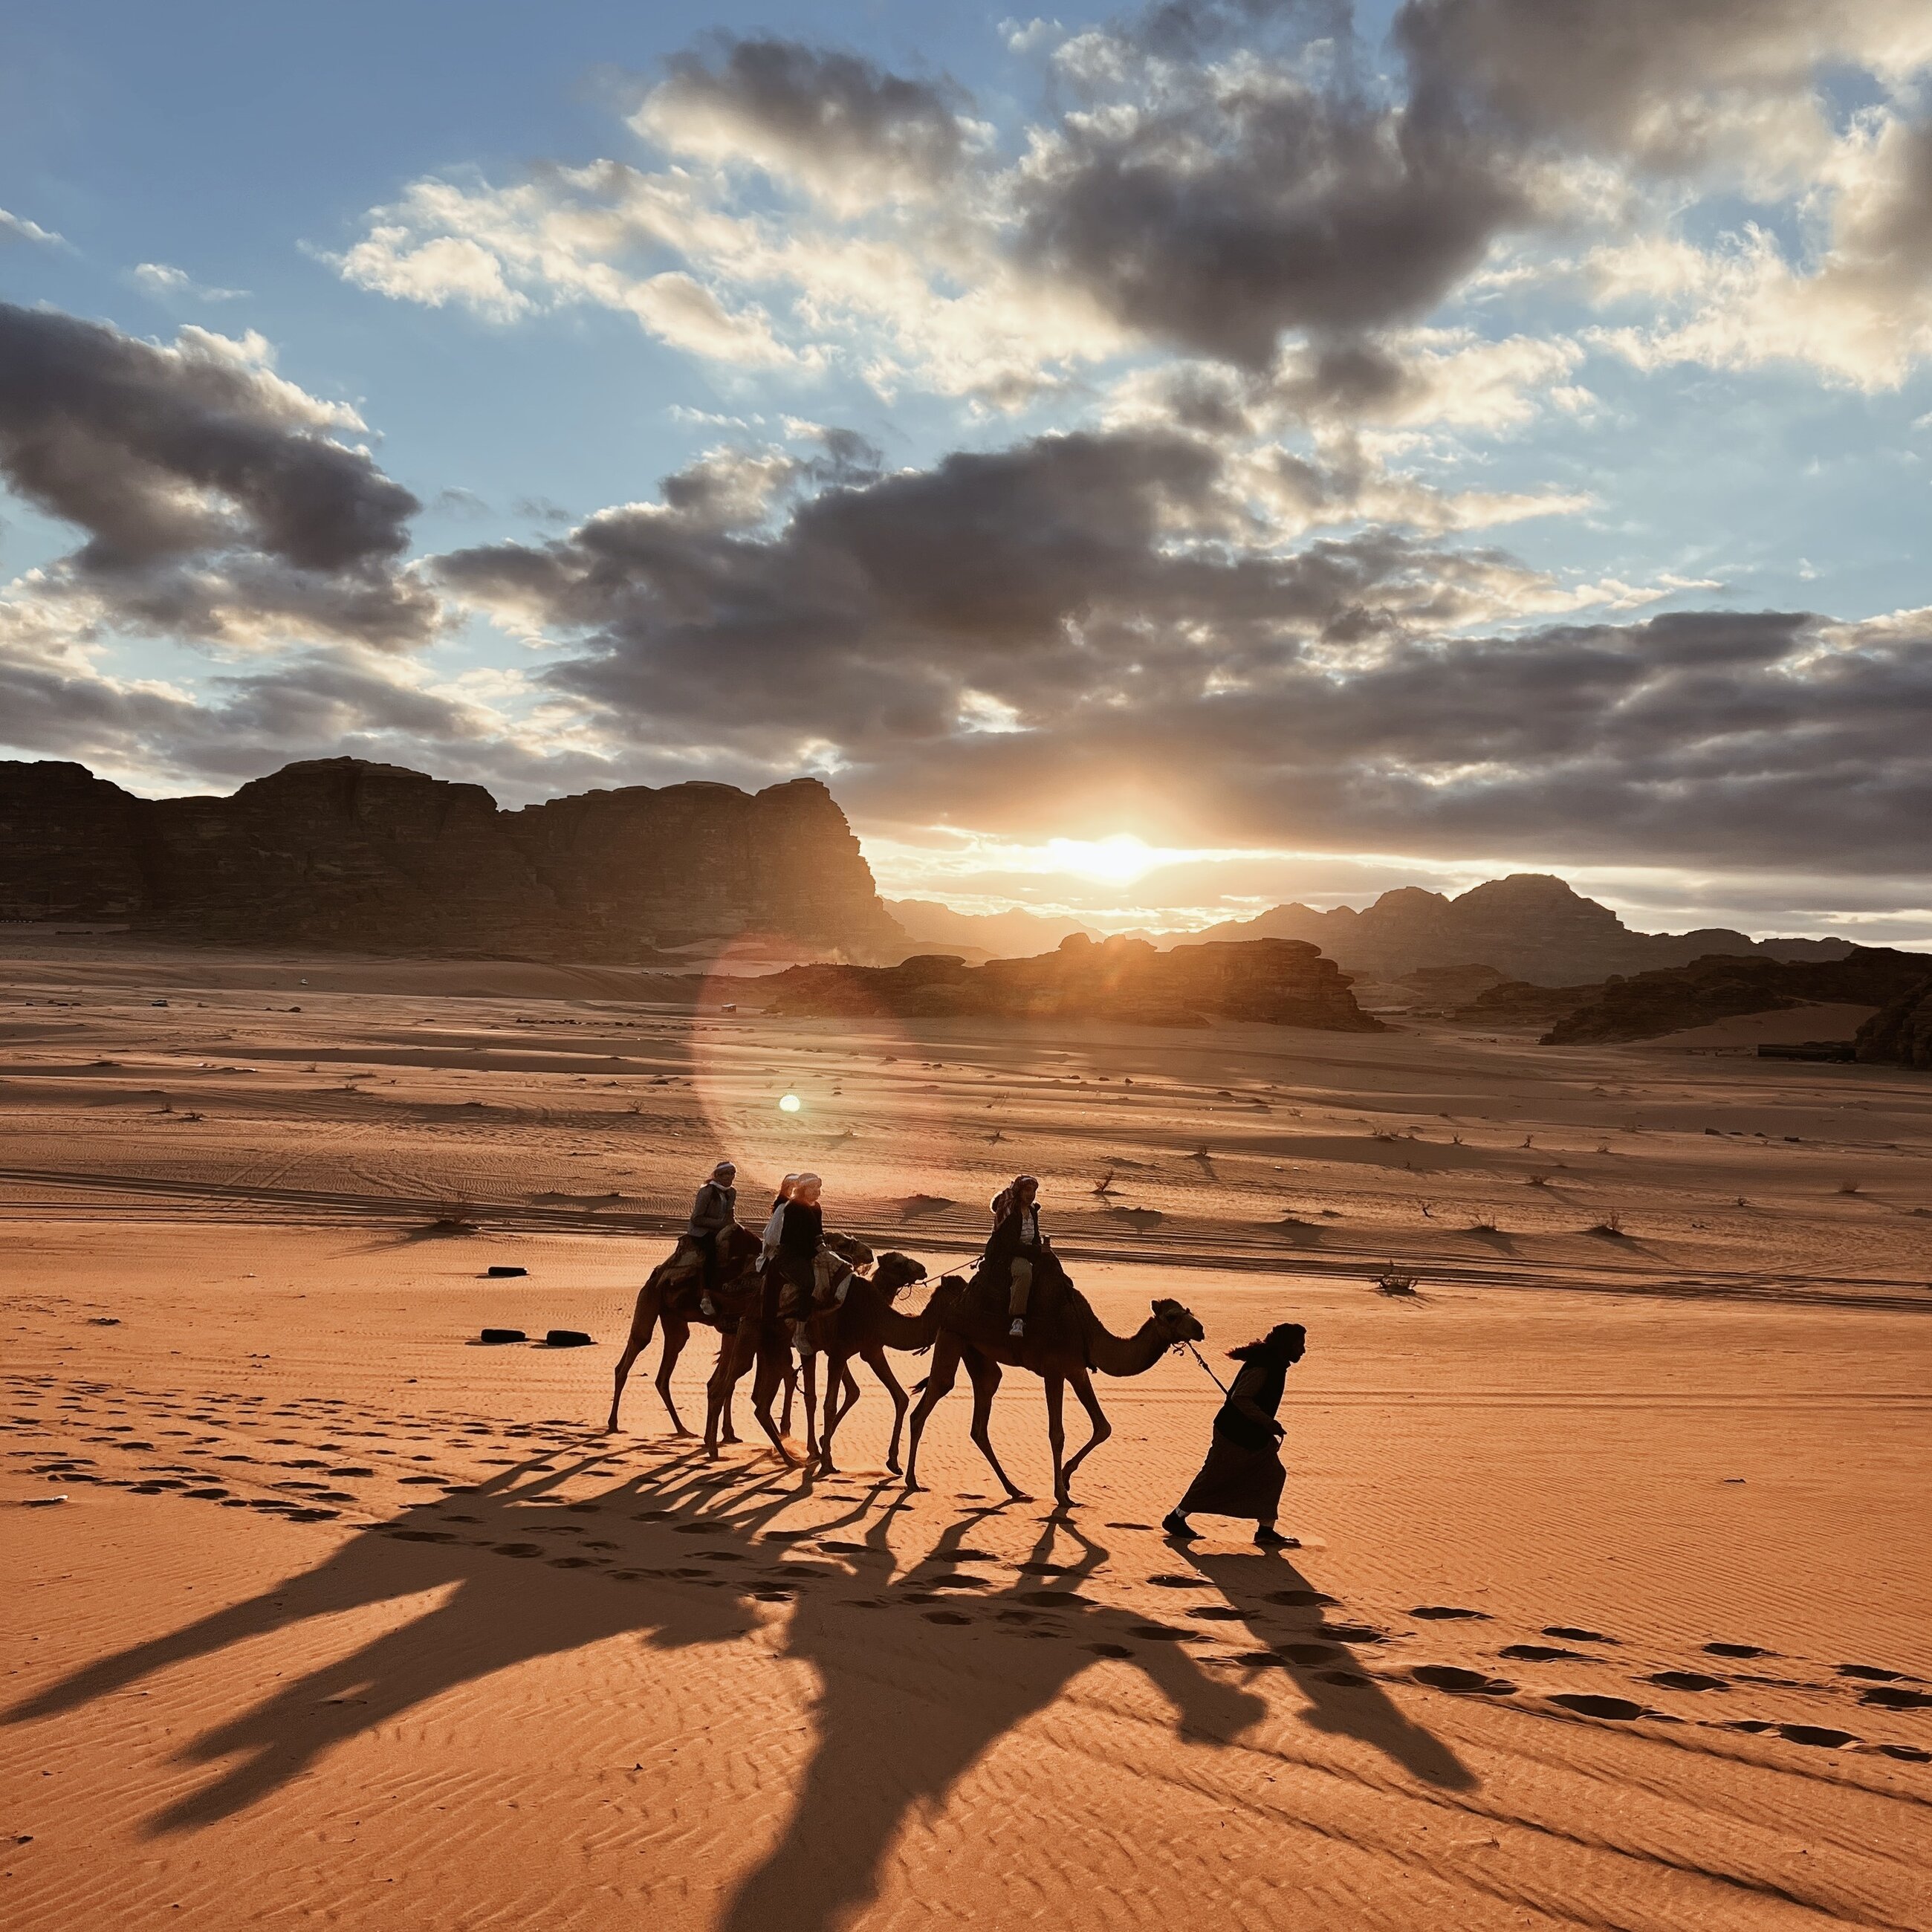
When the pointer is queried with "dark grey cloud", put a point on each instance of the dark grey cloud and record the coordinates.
(213, 495)
(826, 113)
(1355, 694)
(1257, 205)
(1251, 177)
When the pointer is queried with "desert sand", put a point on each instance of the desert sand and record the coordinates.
(1611, 1608)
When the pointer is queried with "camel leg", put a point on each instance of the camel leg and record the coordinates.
(986, 1373)
(811, 1371)
(1055, 1387)
(837, 1380)
(939, 1381)
(643, 1320)
(1083, 1387)
(677, 1333)
(771, 1371)
(875, 1360)
(730, 1365)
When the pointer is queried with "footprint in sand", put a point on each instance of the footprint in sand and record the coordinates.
(1819, 1735)
(1687, 1680)
(1894, 1697)
(1464, 1683)
(1586, 1704)
(1736, 1650)
(1545, 1653)
(1445, 1612)
(1576, 1635)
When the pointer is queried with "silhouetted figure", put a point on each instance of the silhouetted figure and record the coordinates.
(1015, 1244)
(714, 1211)
(1243, 1475)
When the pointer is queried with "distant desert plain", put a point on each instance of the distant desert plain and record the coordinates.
(1610, 1605)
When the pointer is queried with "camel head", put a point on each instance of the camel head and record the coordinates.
(1174, 1324)
(738, 1246)
(896, 1273)
(850, 1250)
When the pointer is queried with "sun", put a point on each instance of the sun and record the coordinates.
(1118, 860)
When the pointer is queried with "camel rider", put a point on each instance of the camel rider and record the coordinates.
(1016, 1244)
(714, 1210)
(801, 1231)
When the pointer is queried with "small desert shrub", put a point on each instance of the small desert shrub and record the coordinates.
(1537, 1181)
(1393, 1280)
(1482, 1221)
(1849, 1186)
(1611, 1226)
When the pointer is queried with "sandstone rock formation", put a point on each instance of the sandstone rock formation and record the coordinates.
(1720, 987)
(1529, 926)
(1278, 980)
(1900, 1034)
(933, 927)
(338, 852)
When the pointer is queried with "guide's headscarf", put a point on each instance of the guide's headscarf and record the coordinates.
(1008, 1199)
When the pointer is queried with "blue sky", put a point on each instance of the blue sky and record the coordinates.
(1646, 320)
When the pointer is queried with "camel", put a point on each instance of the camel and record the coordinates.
(1065, 1340)
(670, 1295)
(762, 1341)
(866, 1325)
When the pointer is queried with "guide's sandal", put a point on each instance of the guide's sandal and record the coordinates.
(1178, 1526)
(1270, 1538)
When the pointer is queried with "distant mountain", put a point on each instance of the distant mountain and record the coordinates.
(339, 852)
(991, 935)
(1529, 926)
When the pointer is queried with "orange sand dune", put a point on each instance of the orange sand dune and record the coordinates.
(1611, 1609)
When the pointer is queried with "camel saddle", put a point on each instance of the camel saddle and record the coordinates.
(1053, 1303)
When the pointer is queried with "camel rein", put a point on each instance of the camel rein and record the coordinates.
(1204, 1369)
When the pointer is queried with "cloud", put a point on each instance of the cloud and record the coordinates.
(164, 282)
(847, 130)
(18, 228)
(216, 499)
(1071, 633)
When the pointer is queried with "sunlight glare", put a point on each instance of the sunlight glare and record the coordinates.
(1116, 861)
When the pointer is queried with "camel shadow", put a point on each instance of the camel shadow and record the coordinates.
(926, 1657)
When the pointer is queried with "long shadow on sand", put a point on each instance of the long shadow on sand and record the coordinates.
(926, 1659)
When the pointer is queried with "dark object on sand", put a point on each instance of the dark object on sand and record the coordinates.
(1839, 1050)
(568, 1338)
(503, 1271)
(495, 1337)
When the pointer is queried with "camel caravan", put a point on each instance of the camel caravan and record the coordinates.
(785, 1301)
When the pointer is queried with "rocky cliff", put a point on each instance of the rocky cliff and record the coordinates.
(1529, 926)
(339, 852)
(1652, 1004)
(1277, 980)
(1900, 1035)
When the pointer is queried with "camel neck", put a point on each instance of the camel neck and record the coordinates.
(1124, 1354)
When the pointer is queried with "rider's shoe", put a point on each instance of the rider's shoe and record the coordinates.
(1018, 1327)
(1175, 1525)
(705, 1308)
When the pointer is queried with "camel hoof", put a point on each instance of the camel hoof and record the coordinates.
(681, 1434)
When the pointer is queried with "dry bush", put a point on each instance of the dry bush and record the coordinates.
(1611, 1226)
(1393, 1280)
(1849, 1186)
(1482, 1220)
(1537, 1181)
(455, 1215)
